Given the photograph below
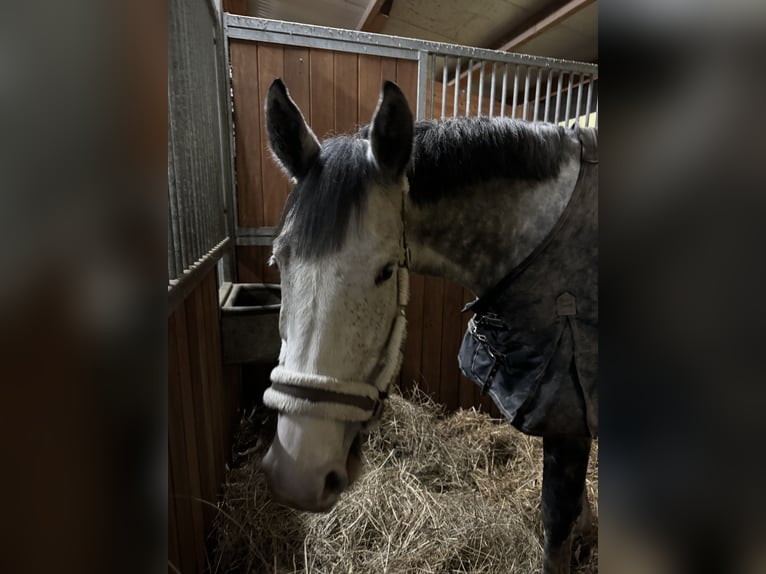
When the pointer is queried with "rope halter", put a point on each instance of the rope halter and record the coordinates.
(326, 397)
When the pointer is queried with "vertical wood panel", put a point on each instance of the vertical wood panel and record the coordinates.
(186, 390)
(250, 264)
(452, 335)
(247, 116)
(369, 86)
(197, 447)
(346, 91)
(174, 556)
(433, 302)
(212, 326)
(406, 78)
(322, 95)
(296, 78)
(274, 182)
(205, 449)
(388, 72)
(411, 374)
(188, 524)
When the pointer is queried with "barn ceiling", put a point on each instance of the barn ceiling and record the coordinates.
(551, 28)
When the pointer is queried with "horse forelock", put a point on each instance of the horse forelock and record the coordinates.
(320, 207)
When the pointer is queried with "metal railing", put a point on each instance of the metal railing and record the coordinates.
(510, 78)
(199, 177)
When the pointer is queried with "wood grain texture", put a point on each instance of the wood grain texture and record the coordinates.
(199, 429)
(346, 90)
(322, 96)
(274, 183)
(369, 86)
(247, 118)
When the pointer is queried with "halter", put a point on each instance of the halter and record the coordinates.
(350, 401)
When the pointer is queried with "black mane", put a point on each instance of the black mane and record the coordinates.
(453, 153)
(447, 156)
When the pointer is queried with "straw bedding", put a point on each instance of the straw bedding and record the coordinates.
(440, 493)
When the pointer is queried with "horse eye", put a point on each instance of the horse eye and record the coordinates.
(384, 274)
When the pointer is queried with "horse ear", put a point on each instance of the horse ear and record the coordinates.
(391, 132)
(291, 140)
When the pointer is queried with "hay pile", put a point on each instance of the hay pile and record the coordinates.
(458, 493)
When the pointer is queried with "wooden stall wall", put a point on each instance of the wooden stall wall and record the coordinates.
(202, 412)
(337, 93)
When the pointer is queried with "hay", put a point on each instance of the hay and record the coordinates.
(458, 493)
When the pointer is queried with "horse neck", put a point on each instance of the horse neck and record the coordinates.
(476, 234)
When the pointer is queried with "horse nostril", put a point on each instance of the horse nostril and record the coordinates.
(334, 483)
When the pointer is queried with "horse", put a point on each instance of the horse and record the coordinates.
(467, 199)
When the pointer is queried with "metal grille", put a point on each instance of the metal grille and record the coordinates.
(554, 92)
(198, 151)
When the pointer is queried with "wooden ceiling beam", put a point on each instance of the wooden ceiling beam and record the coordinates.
(375, 15)
(541, 22)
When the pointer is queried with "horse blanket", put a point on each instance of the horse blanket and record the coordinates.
(533, 342)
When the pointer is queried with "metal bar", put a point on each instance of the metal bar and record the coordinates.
(238, 26)
(179, 289)
(504, 91)
(526, 94)
(230, 196)
(172, 273)
(588, 102)
(537, 94)
(492, 91)
(569, 100)
(433, 85)
(558, 97)
(422, 84)
(515, 92)
(457, 88)
(579, 99)
(444, 88)
(468, 90)
(596, 112)
(548, 95)
(325, 44)
(179, 241)
(481, 87)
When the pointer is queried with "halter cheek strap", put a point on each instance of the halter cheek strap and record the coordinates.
(350, 401)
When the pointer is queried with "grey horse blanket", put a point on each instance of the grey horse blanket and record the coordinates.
(533, 343)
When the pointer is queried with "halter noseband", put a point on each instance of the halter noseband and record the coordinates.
(331, 398)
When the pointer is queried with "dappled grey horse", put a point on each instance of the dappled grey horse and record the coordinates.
(506, 208)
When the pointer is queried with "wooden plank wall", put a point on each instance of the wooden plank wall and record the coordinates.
(202, 409)
(337, 93)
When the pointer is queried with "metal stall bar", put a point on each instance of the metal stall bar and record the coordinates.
(588, 102)
(558, 97)
(492, 91)
(504, 91)
(578, 111)
(468, 89)
(433, 85)
(515, 92)
(526, 94)
(481, 87)
(457, 88)
(537, 94)
(596, 112)
(444, 88)
(548, 95)
(569, 100)
(420, 112)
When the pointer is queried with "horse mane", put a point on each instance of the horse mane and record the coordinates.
(451, 154)
(447, 155)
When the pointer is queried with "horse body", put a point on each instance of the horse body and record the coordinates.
(466, 199)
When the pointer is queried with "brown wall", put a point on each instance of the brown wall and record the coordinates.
(202, 411)
(337, 93)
